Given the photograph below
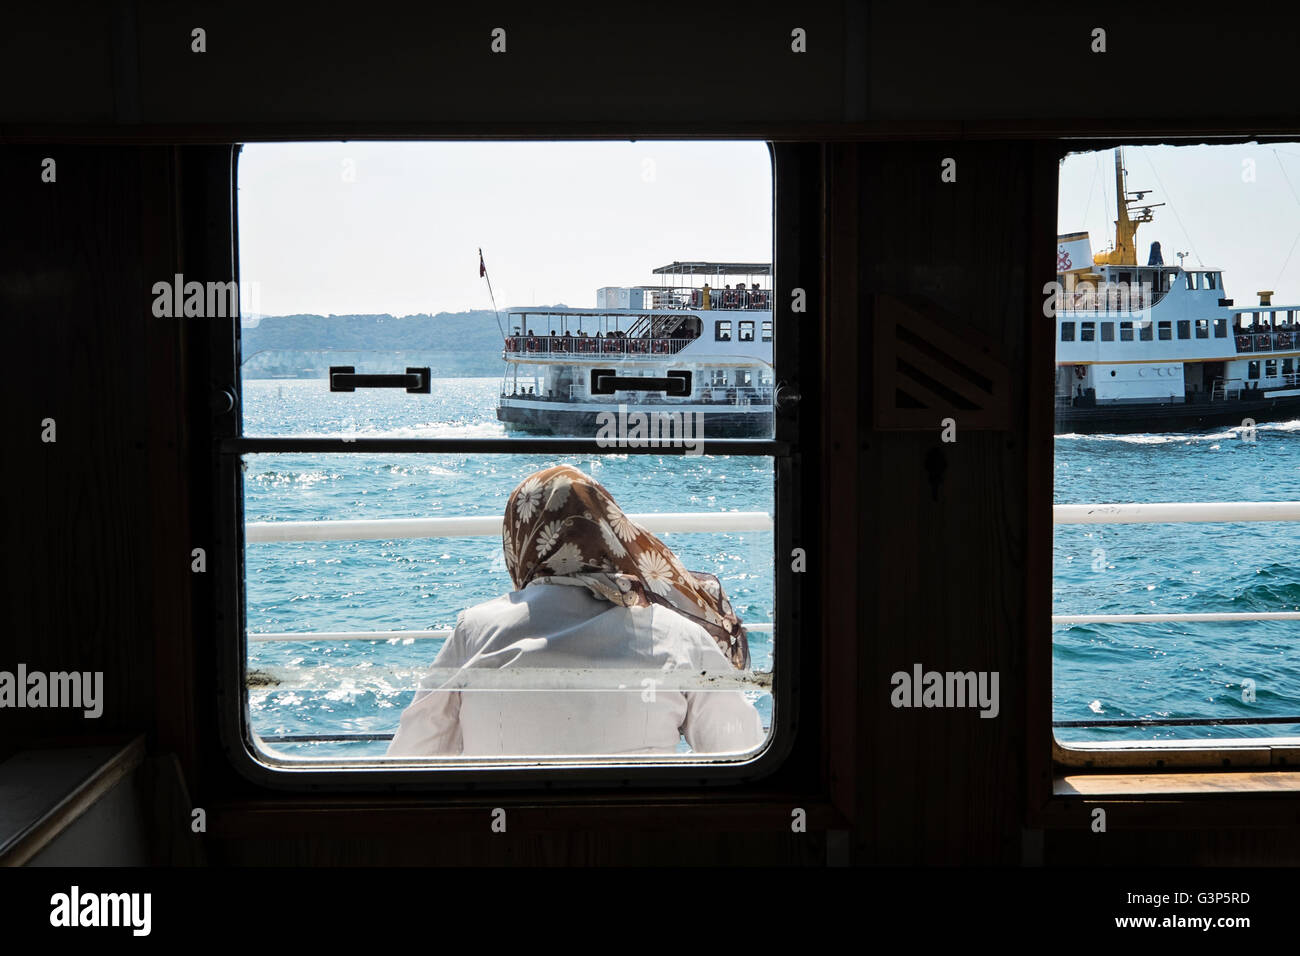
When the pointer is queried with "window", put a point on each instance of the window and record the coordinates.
(1288, 366)
(767, 330)
(1087, 331)
(744, 378)
(339, 623)
(1108, 331)
(1130, 688)
(1270, 368)
(746, 331)
(1067, 331)
(722, 331)
(1144, 331)
(1126, 331)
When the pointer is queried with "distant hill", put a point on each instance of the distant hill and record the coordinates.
(453, 344)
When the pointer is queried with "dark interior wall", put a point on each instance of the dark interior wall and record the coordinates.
(933, 561)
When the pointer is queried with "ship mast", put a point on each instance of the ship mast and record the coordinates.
(1127, 222)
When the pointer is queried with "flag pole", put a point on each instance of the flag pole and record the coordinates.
(482, 270)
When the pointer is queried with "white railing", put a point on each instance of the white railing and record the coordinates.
(666, 522)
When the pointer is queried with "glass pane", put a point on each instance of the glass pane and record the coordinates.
(466, 270)
(1182, 417)
(346, 620)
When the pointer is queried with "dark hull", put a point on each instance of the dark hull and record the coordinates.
(1174, 417)
(565, 423)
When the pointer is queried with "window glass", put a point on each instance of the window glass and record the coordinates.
(1126, 331)
(1087, 331)
(767, 330)
(1067, 331)
(1108, 331)
(1165, 634)
(378, 584)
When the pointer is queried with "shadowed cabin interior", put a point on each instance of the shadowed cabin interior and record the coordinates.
(918, 550)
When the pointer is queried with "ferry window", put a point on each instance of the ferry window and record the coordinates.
(1126, 331)
(1087, 331)
(1167, 615)
(1144, 331)
(746, 330)
(1067, 331)
(767, 330)
(1108, 331)
(1288, 366)
(378, 450)
(722, 332)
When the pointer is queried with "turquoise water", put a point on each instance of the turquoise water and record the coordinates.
(422, 584)
(1099, 671)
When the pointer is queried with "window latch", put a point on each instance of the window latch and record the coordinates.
(344, 378)
(605, 381)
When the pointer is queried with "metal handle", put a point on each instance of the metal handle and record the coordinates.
(344, 378)
(606, 381)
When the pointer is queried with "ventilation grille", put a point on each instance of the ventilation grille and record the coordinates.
(928, 368)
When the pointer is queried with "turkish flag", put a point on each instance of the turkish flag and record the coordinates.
(482, 269)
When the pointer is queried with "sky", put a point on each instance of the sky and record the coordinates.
(1214, 210)
(349, 228)
(367, 227)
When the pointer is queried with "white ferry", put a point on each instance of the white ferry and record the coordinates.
(1160, 347)
(703, 350)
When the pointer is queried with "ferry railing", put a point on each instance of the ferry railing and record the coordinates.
(669, 522)
(613, 347)
(1178, 513)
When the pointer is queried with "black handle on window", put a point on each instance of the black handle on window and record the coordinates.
(344, 378)
(606, 381)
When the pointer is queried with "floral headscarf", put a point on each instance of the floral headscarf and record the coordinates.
(559, 523)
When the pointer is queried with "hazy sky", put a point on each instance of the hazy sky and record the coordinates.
(555, 220)
(1212, 212)
(395, 227)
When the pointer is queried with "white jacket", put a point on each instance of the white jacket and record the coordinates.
(550, 625)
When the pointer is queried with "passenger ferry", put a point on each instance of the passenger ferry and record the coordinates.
(1159, 347)
(701, 347)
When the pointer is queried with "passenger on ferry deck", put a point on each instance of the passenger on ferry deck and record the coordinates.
(592, 591)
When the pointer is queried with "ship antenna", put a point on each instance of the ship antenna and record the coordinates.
(482, 271)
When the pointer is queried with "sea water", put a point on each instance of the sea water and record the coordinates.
(1100, 671)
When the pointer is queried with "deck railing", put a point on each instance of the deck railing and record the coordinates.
(676, 522)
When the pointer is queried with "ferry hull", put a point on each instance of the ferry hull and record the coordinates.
(1145, 418)
(571, 423)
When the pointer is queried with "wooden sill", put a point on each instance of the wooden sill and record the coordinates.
(1163, 784)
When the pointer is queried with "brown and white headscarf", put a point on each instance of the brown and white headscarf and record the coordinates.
(560, 523)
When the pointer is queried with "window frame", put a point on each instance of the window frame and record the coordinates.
(793, 520)
(1224, 773)
(718, 330)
